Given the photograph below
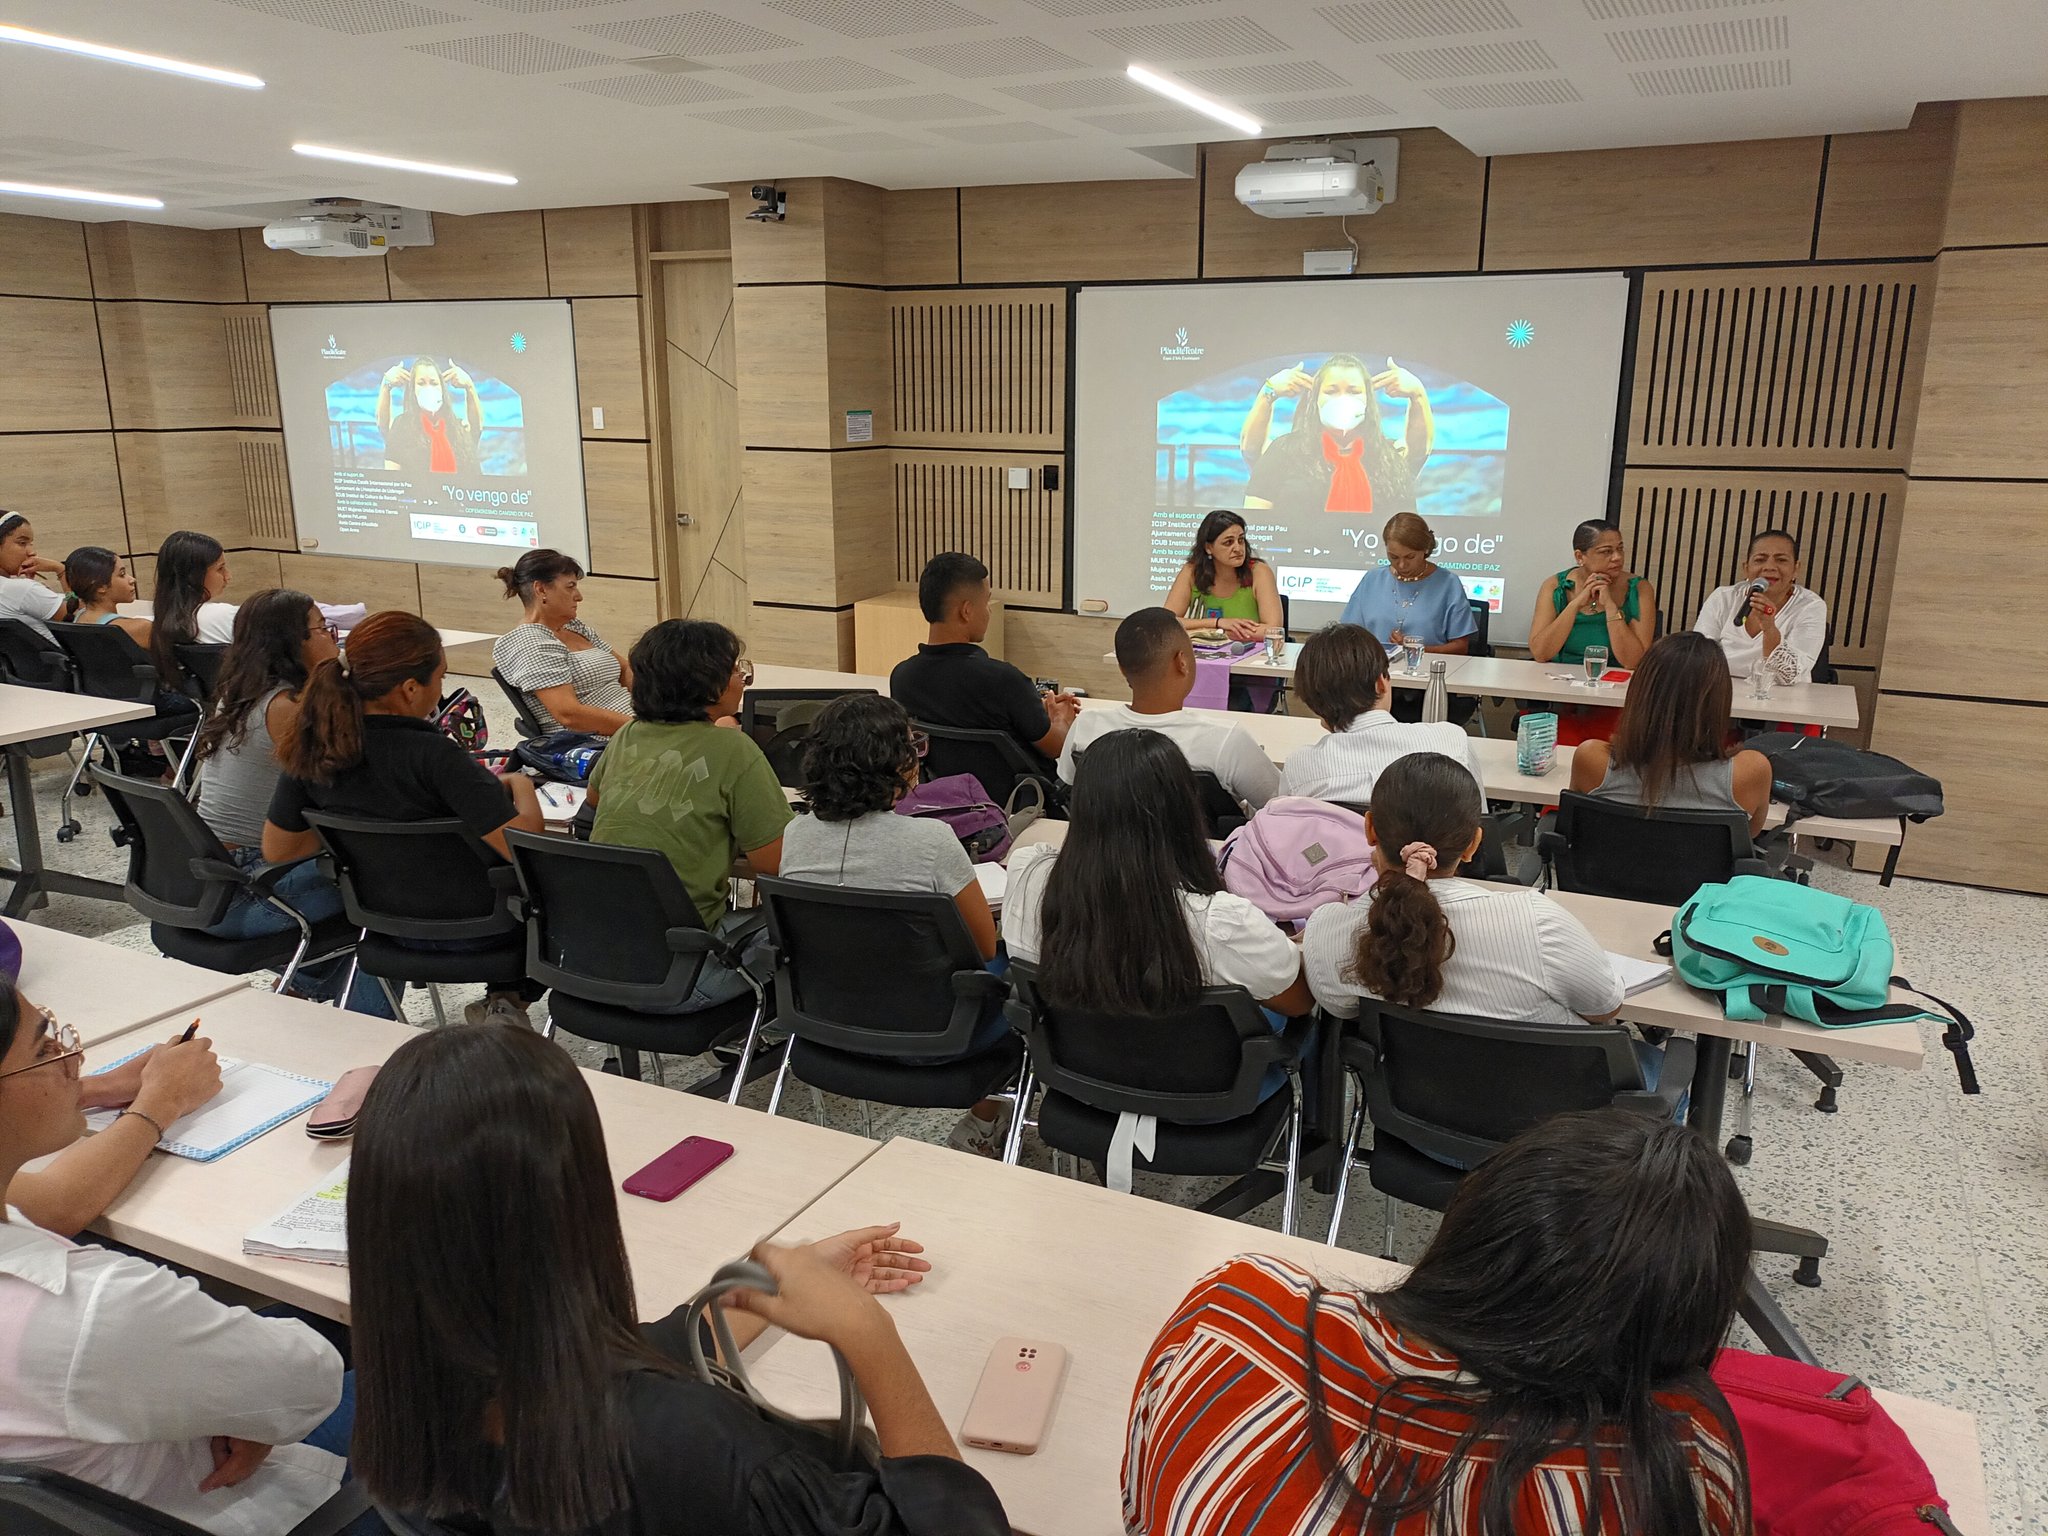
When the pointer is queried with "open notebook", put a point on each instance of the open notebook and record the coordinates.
(252, 1099)
(1638, 975)
(314, 1229)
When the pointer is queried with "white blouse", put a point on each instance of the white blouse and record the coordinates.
(1802, 633)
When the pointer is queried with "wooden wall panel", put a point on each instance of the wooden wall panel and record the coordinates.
(483, 256)
(921, 236)
(164, 261)
(377, 584)
(1956, 534)
(962, 501)
(819, 529)
(980, 369)
(1994, 830)
(1689, 533)
(857, 361)
(590, 251)
(464, 597)
(174, 480)
(167, 366)
(1667, 205)
(252, 369)
(1789, 365)
(249, 570)
(1887, 193)
(1999, 194)
(67, 484)
(792, 251)
(619, 500)
(1066, 646)
(1431, 226)
(781, 339)
(283, 277)
(703, 427)
(1984, 406)
(853, 232)
(801, 637)
(1080, 231)
(267, 490)
(702, 224)
(43, 258)
(609, 371)
(53, 381)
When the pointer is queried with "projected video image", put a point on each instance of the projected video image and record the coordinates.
(425, 415)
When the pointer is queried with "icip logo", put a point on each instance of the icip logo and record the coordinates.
(1180, 351)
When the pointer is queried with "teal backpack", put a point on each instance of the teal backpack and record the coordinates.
(1773, 946)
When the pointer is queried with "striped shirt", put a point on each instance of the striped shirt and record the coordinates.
(1344, 765)
(532, 657)
(1219, 1434)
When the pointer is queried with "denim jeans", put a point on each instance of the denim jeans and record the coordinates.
(316, 898)
(719, 983)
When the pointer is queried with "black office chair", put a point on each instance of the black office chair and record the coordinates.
(201, 662)
(1198, 1071)
(1220, 807)
(614, 935)
(404, 881)
(28, 660)
(1494, 860)
(856, 1027)
(35, 1501)
(181, 878)
(110, 665)
(1444, 1092)
(996, 758)
(1661, 856)
(527, 718)
(779, 721)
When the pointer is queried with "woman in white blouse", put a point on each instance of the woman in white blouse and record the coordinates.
(26, 589)
(1784, 626)
(576, 681)
(125, 1375)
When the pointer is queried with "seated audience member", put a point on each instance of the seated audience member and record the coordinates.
(506, 1379)
(1224, 584)
(129, 1377)
(280, 638)
(27, 590)
(1158, 662)
(1342, 677)
(1590, 1267)
(860, 758)
(1670, 749)
(1782, 629)
(1128, 916)
(99, 580)
(191, 574)
(952, 681)
(362, 744)
(573, 679)
(700, 795)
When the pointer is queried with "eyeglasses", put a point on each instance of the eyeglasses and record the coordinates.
(325, 627)
(59, 1042)
(745, 668)
(920, 745)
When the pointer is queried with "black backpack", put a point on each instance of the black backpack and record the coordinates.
(1813, 776)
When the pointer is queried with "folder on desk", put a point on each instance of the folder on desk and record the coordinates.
(1638, 975)
(253, 1099)
(993, 880)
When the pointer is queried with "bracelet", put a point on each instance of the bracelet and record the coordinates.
(145, 1119)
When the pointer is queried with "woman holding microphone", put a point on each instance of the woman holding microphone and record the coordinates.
(1767, 619)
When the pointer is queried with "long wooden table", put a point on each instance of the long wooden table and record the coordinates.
(30, 714)
(103, 990)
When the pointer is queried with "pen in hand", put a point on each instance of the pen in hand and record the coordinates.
(190, 1030)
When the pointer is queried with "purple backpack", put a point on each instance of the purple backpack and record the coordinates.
(1296, 855)
(961, 803)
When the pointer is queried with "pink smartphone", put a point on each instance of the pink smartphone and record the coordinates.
(1014, 1402)
(678, 1168)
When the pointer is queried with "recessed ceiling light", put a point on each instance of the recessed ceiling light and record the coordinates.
(392, 163)
(13, 34)
(1191, 98)
(76, 195)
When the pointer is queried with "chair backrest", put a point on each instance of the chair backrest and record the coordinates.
(1480, 644)
(779, 719)
(201, 661)
(29, 659)
(417, 879)
(1206, 1063)
(1286, 616)
(1824, 668)
(607, 924)
(1219, 806)
(996, 758)
(1457, 1088)
(1604, 849)
(830, 990)
(110, 664)
(168, 845)
(35, 1501)
(522, 707)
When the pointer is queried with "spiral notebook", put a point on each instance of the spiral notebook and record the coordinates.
(253, 1099)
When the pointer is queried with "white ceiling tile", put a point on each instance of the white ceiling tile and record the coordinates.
(1002, 133)
(1077, 10)
(1300, 75)
(690, 33)
(656, 90)
(1213, 37)
(918, 109)
(867, 139)
(986, 57)
(810, 75)
(1402, 21)
(1702, 39)
(1621, 10)
(1159, 120)
(1097, 91)
(1524, 56)
(778, 119)
(360, 18)
(1320, 109)
(514, 53)
(879, 18)
(1710, 79)
(1506, 93)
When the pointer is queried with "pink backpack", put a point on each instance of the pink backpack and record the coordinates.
(1296, 855)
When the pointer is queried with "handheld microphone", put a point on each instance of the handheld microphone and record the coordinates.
(1756, 586)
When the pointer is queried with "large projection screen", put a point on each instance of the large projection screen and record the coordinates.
(1520, 374)
(442, 433)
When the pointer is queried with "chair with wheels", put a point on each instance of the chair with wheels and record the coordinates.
(614, 935)
(1198, 1072)
(996, 758)
(869, 1032)
(408, 885)
(35, 1501)
(526, 717)
(183, 880)
(779, 721)
(201, 660)
(110, 665)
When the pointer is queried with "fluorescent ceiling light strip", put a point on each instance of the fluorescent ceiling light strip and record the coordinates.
(76, 195)
(1194, 99)
(13, 34)
(392, 163)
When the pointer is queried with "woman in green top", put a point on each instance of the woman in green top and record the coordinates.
(1596, 602)
(1224, 576)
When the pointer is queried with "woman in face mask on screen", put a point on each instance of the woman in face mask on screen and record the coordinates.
(1337, 457)
(424, 431)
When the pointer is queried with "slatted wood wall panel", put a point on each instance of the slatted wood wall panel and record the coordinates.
(1689, 533)
(984, 369)
(962, 501)
(267, 490)
(1814, 366)
(252, 374)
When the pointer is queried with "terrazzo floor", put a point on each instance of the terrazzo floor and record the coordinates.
(1936, 1205)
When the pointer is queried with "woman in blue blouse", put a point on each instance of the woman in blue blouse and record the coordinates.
(1411, 597)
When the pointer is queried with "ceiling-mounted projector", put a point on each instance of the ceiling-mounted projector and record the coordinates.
(1326, 178)
(342, 226)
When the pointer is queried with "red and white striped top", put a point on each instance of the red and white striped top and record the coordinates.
(1219, 1434)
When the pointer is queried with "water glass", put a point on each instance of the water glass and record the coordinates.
(1276, 648)
(1411, 657)
(1760, 682)
(1596, 663)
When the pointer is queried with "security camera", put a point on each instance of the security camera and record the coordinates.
(770, 204)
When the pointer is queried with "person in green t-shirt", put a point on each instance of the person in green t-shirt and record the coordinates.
(676, 780)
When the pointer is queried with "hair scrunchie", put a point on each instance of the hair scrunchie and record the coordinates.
(341, 660)
(1418, 859)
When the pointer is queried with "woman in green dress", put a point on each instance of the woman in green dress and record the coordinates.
(1596, 602)
(1224, 585)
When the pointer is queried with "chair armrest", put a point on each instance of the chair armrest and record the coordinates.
(220, 871)
(1751, 867)
(1674, 1081)
(968, 985)
(691, 941)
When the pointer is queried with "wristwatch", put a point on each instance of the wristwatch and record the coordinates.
(1268, 391)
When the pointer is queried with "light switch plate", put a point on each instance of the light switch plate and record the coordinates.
(1020, 479)
(597, 418)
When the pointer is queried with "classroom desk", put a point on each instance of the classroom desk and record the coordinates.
(103, 990)
(1019, 1252)
(1255, 664)
(196, 1214)
(768, 675)
(29, 714)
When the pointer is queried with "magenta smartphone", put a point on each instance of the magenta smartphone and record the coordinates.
(678, 1168)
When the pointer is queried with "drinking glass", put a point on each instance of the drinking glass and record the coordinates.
(1760, 682)
(1596, 663)
(1276, 648)
(1411, 657)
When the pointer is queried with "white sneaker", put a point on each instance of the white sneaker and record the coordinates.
(983, 1138)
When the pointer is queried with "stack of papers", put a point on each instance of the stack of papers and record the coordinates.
(252, 1099)
(994, 880)
(315, 1229)
(1638, 975)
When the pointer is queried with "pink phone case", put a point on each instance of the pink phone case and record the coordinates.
(678, 1168)
(335, 1115)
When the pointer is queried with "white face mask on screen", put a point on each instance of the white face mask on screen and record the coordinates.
(428, 398)
(1343, 413)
